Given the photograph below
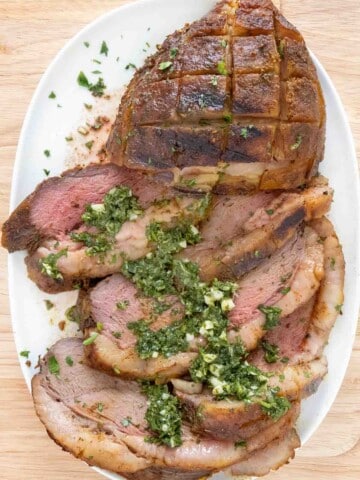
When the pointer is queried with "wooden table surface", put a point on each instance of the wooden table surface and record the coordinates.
(31, 33)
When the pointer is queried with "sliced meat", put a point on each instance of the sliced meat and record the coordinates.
(231, 101)
(84, 411)
(56, 205)
(114, 348)
(298, 286)
(54, 214)
(267, 230)
(228, 215)
(234, 420)
(330, 297)
(272, 457)
(301, 336)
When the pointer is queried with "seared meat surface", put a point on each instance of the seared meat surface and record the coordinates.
(268, 227)
(232, 100)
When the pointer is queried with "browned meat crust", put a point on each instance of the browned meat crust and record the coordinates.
(236, 88)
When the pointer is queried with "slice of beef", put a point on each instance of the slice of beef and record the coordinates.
(287, 279)
(114, 349)
(56, 205)
(232, 100)
(267, 230)
(331, 293)
(100, 419)
(270, 458)
(289, 290)
(235, 420)
(302, 335)
(54, 211)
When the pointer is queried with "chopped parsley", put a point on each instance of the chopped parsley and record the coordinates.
(119, 206)
(69, 361)
(47, 172)
(244, 132)
(72, 314)
(271, 352)
(89, 144)
(163, 415)
(130, 65)
(272, 316)
(240, 443)
(49, 304)
(214, 81)
(270, 211)
(97, 89)
(223, 367)
(221, 67)
(339, 307)
(188, 182)
(285, 291)
(96, 243)
(49, 264)
(173, 52)
(165, 65)
(87, 44)
(223, 42)
(100, 407)
(122, 305)
(91, 339)
(332, 263)
(116, 334)
(52, 95)
(297, 143)
(25, 353)
(104, 50)
(228, 117)
(53, 365)
(47, 153)
(88, 106)
(153, 274)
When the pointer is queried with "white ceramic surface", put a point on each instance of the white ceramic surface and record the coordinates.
(127, 31)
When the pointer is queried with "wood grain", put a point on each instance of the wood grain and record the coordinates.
(31, 33)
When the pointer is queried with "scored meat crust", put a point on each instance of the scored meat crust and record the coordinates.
(232, 100)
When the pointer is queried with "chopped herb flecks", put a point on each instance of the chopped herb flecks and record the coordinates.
(48, 264)
(97, 89)
(104, 49)
(163, 415)
(69, 361)
(49, 304)
(119, 206)
(271, 352)
(165, 65)
(53, 365)
(52, 95)
(221, 67)
(272, 316)
(25, 353)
